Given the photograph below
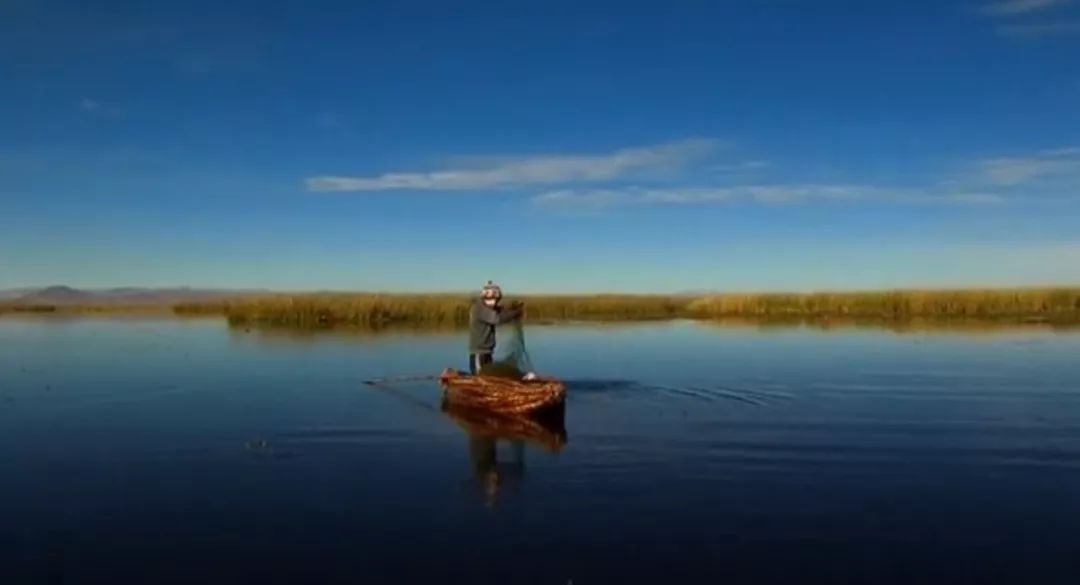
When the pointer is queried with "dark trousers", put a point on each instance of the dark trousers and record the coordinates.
(477, 361)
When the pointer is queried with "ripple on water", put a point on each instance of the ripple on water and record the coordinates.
(695, 392)
(343, 435)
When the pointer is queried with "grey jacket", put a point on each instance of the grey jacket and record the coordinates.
(482, 322)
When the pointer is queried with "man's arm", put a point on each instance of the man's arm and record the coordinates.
(486, 314)
(493, 317)
(511, 314)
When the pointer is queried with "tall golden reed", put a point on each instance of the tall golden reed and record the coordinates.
(374, 310)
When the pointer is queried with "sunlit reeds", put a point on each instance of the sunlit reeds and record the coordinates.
(1052, 304)
(449, 310)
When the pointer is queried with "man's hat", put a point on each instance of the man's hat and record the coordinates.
(491, 291)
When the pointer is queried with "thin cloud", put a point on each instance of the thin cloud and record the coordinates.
(328, 121)
(1016, 7)
(1039, 30)
(1049, 164)
(972, 198)
(758, 194)
(1067, 151)
(1011, 11)
(92, 107)
(741, 167)
(535, 170)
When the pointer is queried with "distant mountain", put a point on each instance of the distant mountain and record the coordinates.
(66, 295)
(56, 295)
(14, 293)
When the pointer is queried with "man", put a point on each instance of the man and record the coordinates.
(484, 315)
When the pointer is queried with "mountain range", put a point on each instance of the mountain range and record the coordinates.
(66, 295)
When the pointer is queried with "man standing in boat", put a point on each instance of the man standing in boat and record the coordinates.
(485, 314)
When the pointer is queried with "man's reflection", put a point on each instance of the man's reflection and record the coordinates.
(491, 475)
(485, 433)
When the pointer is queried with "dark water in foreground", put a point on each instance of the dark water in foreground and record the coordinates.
(139, 451)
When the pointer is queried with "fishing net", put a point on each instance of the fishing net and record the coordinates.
(514, 361)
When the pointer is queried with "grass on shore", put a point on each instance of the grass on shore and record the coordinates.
(76, 309)
(367, 310)
(1060, 304)
(370, 310)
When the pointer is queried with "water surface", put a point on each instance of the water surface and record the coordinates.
(182, 451)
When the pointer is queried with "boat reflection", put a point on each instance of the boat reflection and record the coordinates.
(485, 430)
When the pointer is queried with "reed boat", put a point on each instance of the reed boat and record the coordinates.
(504, 395)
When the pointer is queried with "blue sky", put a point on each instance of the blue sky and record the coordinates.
(556, 146)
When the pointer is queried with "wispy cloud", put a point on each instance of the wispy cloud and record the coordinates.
(328, 120)
(741, 167)
(1039, 30)
(760, 194)
(95, 108)
(1048, 164)
(533, 170)
(593, 182)
(1012, 13)
(1016, 7)
(215, 49)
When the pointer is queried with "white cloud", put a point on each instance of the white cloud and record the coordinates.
(1010, 171)
(1015, 7)
(760, 194)
(89, 105)
(534, 170)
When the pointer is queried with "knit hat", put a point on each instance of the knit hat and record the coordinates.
(491, 291)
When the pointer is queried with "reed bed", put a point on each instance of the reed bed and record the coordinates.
(19, 308)
(84, 309)
(445, 310)
(1052, 304)
(1059, 305)
(366, 310)
(200, 308)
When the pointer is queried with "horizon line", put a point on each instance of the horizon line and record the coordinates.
(31, 289)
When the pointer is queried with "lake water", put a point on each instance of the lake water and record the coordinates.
(173, 451)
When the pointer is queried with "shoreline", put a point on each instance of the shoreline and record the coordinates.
(1060, 305)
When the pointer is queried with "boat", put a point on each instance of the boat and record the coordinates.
(534, 396)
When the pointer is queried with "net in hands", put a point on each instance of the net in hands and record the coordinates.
(514, 363)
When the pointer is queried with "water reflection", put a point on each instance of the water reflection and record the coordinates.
(311, 336)
(494, 476)
(362, 335)
(965, 327)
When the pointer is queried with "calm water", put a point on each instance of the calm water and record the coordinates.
(185, 452)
